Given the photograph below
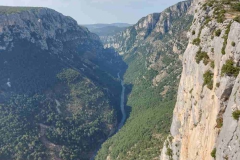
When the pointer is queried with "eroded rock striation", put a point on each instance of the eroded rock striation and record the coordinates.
(205, 121)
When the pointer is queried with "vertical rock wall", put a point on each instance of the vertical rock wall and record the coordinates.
(202, 117)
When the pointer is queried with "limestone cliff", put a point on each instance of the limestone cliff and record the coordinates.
(205, 122)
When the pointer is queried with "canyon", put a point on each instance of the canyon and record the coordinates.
(164, 88)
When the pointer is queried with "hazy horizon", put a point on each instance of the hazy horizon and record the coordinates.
(99, 11)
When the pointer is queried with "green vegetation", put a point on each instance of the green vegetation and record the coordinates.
(207, 20)
(224, 6)
(236, 114)
(191, 91)
(212, 50)
(150, 104)
(202, 56)
(233, 44)
(225, 37)
(212, 64)
(219, 13)
(10, 10)
(19, 137)
(57, 107)
(219, 122)
(208, 79)
(196, 41)
(236, 6)
(142, 128)
(237, 19)
(218, 32)
(213, 153)
(79, 124)
(169, 153)
(68, 75)
(193, 32)
(229, 68)
(218, 84)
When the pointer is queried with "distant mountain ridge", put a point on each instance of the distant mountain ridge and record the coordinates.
(101, 25)
(105, 30)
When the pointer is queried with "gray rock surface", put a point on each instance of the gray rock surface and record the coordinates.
(195, 129)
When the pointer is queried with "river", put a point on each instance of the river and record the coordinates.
(124, 115)
(122, 105)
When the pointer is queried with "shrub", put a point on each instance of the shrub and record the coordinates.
(218, 32)
(191, 91)
(212, 64)
(218, 84)
(219, 14)
(219, 122)
(206, 59)
(193, 32)
(213, 153)
(212, 50)
(226, 1)
(202, 56)
(237, 19)
(210, 4)
(208, 79)
(223, 51)
(225, 37)
(196, 41)
(236, 114)
(208, 19)
(236, 6)
(169, 152)
(233, 44)
(230, 69)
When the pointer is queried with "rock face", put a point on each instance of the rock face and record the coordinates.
(58, 86)
(152, 26)
(48, 34)
(148, 37)
(203, 126)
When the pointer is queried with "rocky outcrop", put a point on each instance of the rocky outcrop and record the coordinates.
(44, 33)
(155, 36)
(40, 24)
(203, 127)
(156, 24)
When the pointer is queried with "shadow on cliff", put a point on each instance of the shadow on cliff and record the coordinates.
(128, 91)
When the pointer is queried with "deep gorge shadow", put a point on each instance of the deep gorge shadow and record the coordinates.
(128, 91)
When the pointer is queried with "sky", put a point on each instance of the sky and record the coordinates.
(99, 11)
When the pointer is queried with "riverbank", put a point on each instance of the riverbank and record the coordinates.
(124, 115)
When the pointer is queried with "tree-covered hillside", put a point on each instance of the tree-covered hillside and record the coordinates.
(59, 91)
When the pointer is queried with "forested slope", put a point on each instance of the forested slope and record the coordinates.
(59, 92)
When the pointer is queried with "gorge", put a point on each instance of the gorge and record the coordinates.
(164, 88)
